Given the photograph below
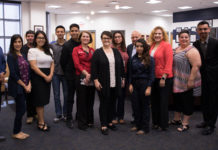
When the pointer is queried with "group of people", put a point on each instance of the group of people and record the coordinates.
(150, 71)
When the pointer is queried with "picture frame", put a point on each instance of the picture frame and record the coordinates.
(193, 29)
(38, 28)
(186, 28)
(178, 29)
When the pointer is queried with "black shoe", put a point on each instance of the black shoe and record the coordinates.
(112, 127)
(69, 124)
(175, 122)
(155, 127)
(90, 125)
(201, 125)
(104, 131)
(2, 138)
(208, 131)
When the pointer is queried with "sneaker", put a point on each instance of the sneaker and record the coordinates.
(57, 119)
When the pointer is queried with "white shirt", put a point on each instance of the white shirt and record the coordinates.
(110, 57)
(133, 51)
(42, 60)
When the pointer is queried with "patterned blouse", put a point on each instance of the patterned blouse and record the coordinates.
(182, 71)
(24, 69)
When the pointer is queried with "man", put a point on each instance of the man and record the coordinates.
(2, 72)
(131, 51)
(31, 110)
(58, 76)
(69, 70)
(208, 48)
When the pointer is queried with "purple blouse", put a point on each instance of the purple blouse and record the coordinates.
(24, 69)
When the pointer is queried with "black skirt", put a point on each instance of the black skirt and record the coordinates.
(40, 88)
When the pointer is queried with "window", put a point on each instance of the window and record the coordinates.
(10, 22)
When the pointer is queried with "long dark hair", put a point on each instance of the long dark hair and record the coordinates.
(123, 43)
(145, 54)
(46, 46)
(11, 48)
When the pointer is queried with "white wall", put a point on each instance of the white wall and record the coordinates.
(101, 22)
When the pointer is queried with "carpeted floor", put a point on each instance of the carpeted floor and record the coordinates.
(62, 138)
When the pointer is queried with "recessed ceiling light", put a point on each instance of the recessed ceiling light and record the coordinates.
(125, 7)
(84, 2)
(117, 7)
(92, 12)
(154, 2)
(103, 11)
(87, 17)
(185, 7)
(159, 11)
(75, 12)
(167, 15)
(54, 6)
(114, 2)
(215, 2)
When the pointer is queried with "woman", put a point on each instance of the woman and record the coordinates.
(19, 82)
(162, 53)
(118, 42)
(141, 76)
(107, 72)
(82, 56)
(42, 64)
(187, 80)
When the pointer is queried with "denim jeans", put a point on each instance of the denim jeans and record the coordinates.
(56, 81)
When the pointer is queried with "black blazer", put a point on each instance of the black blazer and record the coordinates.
(66, 60)
(129, 50)
(13, 87)
(100, 70)
(209, 68)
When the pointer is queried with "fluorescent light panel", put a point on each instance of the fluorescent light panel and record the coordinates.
(215, 2)
(103, 11)
(167, 15)
(125, 7)
(75, 12)
(84, 2)
(159, 11)
(53, 6)
(185, 7)
(154, 2)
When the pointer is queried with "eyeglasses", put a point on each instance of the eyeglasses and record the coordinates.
(106, 38)
(40, 38)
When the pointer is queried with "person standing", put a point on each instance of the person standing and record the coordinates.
(85, 90)
(58, 77)
(131, 51)
(18, 83)
(2, 72)
(42, 63)
(186, 81)
(69, 70)
(119, 43)
(141, 76)
(162, 53)
(208, 48)
(107, 71)
(31, 110)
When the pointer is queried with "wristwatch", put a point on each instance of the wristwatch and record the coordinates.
(163, 78)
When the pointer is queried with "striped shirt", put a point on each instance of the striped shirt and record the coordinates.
(182, 71)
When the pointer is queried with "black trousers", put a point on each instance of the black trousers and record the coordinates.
(20, 100)
(159, 102)
(71, 87)
(106, 108)
(30, 108)
(85, 103)
(119, 105)
(209, 101)
(141, 105)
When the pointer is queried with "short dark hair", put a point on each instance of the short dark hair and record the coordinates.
(60, 26)
(107, 33)
(74, 25)
(203, 22)
(184, 31)
(30, 32)
(90, 36)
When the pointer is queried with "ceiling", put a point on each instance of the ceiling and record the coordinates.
(138, 6)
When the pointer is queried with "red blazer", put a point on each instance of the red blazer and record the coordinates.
(163, 57)
(81, 59)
